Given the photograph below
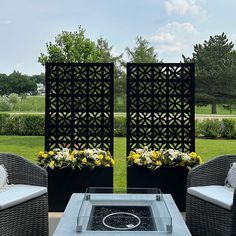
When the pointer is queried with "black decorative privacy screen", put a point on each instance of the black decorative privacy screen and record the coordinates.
(79, 106)
(160, 106)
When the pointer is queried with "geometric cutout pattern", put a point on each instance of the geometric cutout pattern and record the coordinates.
(79, 106)
(160, 106)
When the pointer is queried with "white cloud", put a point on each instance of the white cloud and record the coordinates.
(184, 27)
(163, 37)
(175, 47)
(175, 39)
(184, 7)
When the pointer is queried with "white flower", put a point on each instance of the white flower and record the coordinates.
(88, 152)
(59, 156)
(139, 151)
(65, 150)
(94, 156)
(185, 157)
(148, 160)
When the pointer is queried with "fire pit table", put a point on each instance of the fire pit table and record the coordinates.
(108, 212)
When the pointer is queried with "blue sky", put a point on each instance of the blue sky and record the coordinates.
(172, 26)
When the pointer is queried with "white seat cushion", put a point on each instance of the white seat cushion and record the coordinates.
(215, 194)
(19, 193)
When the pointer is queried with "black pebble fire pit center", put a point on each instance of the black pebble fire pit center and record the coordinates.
(121, 218)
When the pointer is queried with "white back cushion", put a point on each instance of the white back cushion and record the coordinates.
(230, 180)
(3, 177)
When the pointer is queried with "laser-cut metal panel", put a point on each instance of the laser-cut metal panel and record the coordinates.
(160, 106)
(79, 106)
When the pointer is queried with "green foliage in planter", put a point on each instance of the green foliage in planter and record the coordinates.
(211, 128)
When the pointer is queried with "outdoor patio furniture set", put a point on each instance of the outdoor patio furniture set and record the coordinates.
(210, 206)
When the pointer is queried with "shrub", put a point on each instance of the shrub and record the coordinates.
(120, 126)
(229, 128)
(3, 121)
(5, 105)
(120, 104)
(14, 98)
(21, 124)
(211, 128)
(197, 128)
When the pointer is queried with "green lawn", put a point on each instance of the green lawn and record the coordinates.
(30, 104)
(37, 104)
(29, 146)
(207, 110)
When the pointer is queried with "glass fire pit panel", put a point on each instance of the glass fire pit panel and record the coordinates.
(123, 210)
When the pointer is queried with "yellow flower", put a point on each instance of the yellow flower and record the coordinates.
(100, 156)
(108, 158)
(200, 159)
(158, 163)
(72, 157)
(52, 164)
(136, 161)
(193, 155)
(112, 161)
(98, 163)
(154, 155)
(40, 153)
(73, 152)
(45, 155)
(135, 156)
(84, 160)
(81, 152)
(107, 165)
(51, 153)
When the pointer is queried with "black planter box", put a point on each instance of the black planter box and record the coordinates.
(170, 180)
(63, 182)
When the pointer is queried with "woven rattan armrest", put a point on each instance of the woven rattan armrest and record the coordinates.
(22, 171)
(212, 172)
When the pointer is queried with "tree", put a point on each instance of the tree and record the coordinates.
(143, 52)
(215, 62)
(105, 55)
(70, 47)
(17, 83)
(5, 85)
(38, 79)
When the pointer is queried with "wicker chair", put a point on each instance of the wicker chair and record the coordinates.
(202, 217)
(31, 217)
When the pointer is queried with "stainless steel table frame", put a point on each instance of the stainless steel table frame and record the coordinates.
(68, 222)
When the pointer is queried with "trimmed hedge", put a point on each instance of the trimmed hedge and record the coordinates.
(33, 124)
(21, 124)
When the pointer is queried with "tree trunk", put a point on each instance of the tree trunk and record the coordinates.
(213, 108)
